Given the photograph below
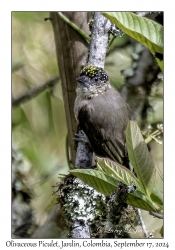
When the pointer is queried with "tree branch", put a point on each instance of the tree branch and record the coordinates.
(160, 216)
(147, 13)
(71, 51)
(84, 153)
(142, 224)
(34, 92)
(99, 40)
(80, 230)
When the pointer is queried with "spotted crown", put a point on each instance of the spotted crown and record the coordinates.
(92, 71)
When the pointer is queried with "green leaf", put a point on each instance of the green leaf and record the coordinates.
(161, 231)
(137, 199)
(99, 168)
(155, 197)
(140, 158)
(119, 172)
(144, 30)
(100, 181)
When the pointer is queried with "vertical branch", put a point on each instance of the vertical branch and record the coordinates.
(71, 51)
(84, 154)
(146, 234)
(99, 40)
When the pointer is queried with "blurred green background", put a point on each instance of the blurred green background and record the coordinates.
(39, 126)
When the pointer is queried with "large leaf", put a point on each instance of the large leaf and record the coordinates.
(140, 158)
(137, 199)
(155, 196)
(119, 172)
(144, 30)
(102, 182)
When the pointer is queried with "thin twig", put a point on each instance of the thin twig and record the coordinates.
(74, 26)
(33, 92)
(160, 216)
(153, 137)
(142, 224)
(109, 46)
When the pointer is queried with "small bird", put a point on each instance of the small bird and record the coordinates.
(102, 114)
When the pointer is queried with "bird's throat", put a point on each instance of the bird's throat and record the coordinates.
(91, 91)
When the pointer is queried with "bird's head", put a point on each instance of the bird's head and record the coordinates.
(92, 81)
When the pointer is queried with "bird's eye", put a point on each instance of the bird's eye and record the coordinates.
(96, 79)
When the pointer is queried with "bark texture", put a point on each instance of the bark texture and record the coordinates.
(71, 51)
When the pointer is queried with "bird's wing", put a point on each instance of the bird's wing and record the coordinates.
(104, 123)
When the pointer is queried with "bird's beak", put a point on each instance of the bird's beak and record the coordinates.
(82, 80)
